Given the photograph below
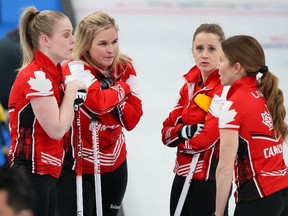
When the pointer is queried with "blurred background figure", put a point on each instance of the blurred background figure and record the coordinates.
(10, 61)
(16, 194)
(4, 137)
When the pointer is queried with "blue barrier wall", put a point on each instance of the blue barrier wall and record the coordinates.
(10, 11)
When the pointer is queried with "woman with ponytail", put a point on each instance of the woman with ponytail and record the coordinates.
(39, 111)
(252, 131)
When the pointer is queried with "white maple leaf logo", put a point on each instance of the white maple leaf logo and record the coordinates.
(227, 115)
(217, 102)
(40, 83)
(267, 120)
(216, 105)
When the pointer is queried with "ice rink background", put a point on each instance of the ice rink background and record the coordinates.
(158, 35)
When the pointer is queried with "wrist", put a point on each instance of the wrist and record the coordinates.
(216, 214)
(182, 132)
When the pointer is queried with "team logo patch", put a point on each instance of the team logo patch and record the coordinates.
(267, 120)
(227, 115)
(40, 83)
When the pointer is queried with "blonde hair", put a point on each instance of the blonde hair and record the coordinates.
(32, 24)
(85, 32)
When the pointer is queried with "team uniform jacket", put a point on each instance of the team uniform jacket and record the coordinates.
(260, 169)
(116, 107)
(31, 147)
(187, 112)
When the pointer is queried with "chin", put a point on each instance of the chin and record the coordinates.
(223, 83)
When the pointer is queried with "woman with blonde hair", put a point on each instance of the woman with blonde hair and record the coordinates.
(114, 99)
(39, 111)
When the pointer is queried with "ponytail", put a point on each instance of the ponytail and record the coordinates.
(268, 86)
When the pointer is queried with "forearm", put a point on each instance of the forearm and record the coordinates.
(204, 139)
(66, 112)
(224, 173)
(101, 100)
(171, 126)
(201, 142)
(223, 187)
(129, 112)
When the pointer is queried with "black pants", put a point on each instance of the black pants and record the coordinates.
(275, 204)
(45, 194)
(113, 186)
(200, 200)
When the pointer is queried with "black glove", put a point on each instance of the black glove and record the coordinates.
(188, 131)
(80, 98)
(106, 82)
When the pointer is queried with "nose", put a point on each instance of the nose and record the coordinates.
(73, 40)
(109, 48)
(205, 54)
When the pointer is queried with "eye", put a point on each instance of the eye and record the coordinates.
(115, 42)
(212, 49)
(67, 34)
(199, 48)
(102, 43)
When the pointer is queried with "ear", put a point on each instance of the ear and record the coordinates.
(239, 70)
(44, 40)
(237, 67)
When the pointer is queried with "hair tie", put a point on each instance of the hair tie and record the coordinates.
(33, 16)
(264, 69)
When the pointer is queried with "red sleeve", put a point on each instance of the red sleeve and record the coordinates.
(99, 101)
(102, 101)
(209, 136)
(172, 124)
(130, 111)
